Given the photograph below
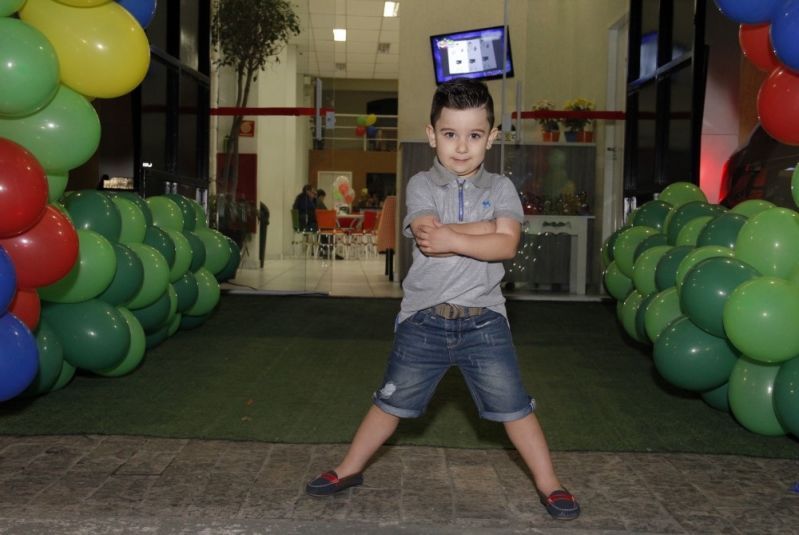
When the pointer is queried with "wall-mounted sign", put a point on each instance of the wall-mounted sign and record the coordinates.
(247, 128)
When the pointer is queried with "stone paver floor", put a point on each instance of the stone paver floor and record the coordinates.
(121, 484)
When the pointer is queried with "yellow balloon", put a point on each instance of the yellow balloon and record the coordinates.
(102, 50)
(83, 3)
(371, 119)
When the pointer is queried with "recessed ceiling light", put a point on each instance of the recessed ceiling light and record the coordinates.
(339, 34)
(391, 9)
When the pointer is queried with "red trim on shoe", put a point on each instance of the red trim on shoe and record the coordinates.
(330, 476)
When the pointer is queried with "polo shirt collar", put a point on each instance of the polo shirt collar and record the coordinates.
(443, 176)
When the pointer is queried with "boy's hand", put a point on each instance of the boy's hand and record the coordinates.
(435, 239)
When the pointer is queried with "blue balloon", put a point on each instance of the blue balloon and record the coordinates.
(8, 280)
(785, 34)
(142, 10)
(749, 11)
(19, 357)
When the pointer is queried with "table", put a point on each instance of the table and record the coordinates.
(350, 221)
(577, 227)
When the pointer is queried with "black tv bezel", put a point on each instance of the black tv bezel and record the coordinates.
(507, 70)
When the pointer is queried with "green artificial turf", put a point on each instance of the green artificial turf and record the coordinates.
(302, 370)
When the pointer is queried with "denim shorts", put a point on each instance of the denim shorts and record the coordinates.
(427, 345)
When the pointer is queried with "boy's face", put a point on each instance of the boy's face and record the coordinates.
(461, 139)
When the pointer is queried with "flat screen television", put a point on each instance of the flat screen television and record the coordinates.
(471, 54)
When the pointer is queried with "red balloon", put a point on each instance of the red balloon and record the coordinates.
(778, 105)
(27, 307)
(360, 131)
(756, 46)
(23, 189)
(44, 253)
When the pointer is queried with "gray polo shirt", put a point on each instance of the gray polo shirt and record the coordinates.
(456, 279)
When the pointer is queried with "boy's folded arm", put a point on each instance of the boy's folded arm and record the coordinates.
(500, 245)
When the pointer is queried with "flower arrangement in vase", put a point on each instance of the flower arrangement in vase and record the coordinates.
(550, 130)
(575, 128)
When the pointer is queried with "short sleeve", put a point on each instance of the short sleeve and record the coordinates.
(506, 201)
(419, 201)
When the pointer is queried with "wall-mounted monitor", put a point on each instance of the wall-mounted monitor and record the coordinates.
(472, 54)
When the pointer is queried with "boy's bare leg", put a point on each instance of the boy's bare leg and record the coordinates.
(377, 426)
(528, 437)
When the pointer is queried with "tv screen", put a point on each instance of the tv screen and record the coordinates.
(471, 54)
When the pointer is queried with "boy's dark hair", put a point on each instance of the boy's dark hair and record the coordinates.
(321, 193)
(462, 94)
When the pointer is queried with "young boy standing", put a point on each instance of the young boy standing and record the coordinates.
(464, 221)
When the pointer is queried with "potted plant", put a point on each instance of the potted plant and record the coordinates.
(550, 130)
(575, 127)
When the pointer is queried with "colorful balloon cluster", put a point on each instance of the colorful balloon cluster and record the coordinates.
(364, 125)
(769, 37)
(716, 292)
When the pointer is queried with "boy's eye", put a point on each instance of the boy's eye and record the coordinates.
(449, 135)
(476, 135)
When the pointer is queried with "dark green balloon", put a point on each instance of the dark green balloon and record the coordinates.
(652, 214)
(640, 317)
(692, 359)
(229, 271)
(51, 360)
(187, 291)
(66, 375)
(192, 322)
(786, 396)
(189, 215)
(156, 338)
(666, 271)
(648, 243)
(93, 333)
(153, 316)
(160, 240)
(140, 202)
(94, 210)
(722, 230)
(128, 278)
(197, 251)
(718, 398)
(686, 213)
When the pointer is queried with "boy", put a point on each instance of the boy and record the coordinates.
(464, 221)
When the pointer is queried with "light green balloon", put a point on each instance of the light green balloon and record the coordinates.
(617, 283)
(207, 295)
(91, 274)
(662, 310)
(28, 67)
(680, 193)
(201, 219)
(182, 254)
(174, 325)
(761, 318)
(217, 250)
(134, 225)
(644, 269)
(689, 234)
(135, 353)
(696, 256)
(629, 311)
(769, 242)
(626, 244)
(9, 7)
(56, 184)
(752, 207)
(156, 275)
(751, 397)
(64, 377)
(173, 304)
(166, 213)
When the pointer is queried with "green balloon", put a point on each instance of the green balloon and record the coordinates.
(158, 238)
(652, 214)
(752, 396)
(718, 398)
(64, 377)
(696, 256)
(197, 251)
(166, 213)
(156, 338)
(9, 7)
(617, 284)
(625, 246)
(156, 275)
(200, 218)
(640, 318)
(607, 254)
(62, 135)
(692, 359)
(666, 271)
(28, 67)
(90, 276)
(217, 250)
(688, 212)
(769, 242)
(644, 269)
(629, 311)
(689, 234)
(680, 193)
(786, 396)
(94, 210)
(648, 243)
(188, 322)
(56, 184)
(173, 304)
(135, 355)
(128, 278)
(94, 334)
(232, 266)
(137, 199)
(207, 293)
(186, 208)
(133, 223)
(722, 230)
(707, 288)
(51, 359)
(752, 207)
(661, 311)
(174, 324)
(153, 316)
(183, 254)
(186, 291)
(760, 318)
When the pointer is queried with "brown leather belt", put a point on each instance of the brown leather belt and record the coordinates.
(452, 312)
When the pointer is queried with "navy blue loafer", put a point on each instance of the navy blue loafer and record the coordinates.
(329, 483)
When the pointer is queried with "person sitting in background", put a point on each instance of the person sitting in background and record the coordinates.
(320, 199)
(305, 204)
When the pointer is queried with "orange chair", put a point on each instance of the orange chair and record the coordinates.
(330, 236)
(387, 233)
(363, 238)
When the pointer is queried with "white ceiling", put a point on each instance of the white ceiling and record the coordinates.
(358, 57)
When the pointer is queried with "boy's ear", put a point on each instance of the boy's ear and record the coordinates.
(431, 135)
(492, 136)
